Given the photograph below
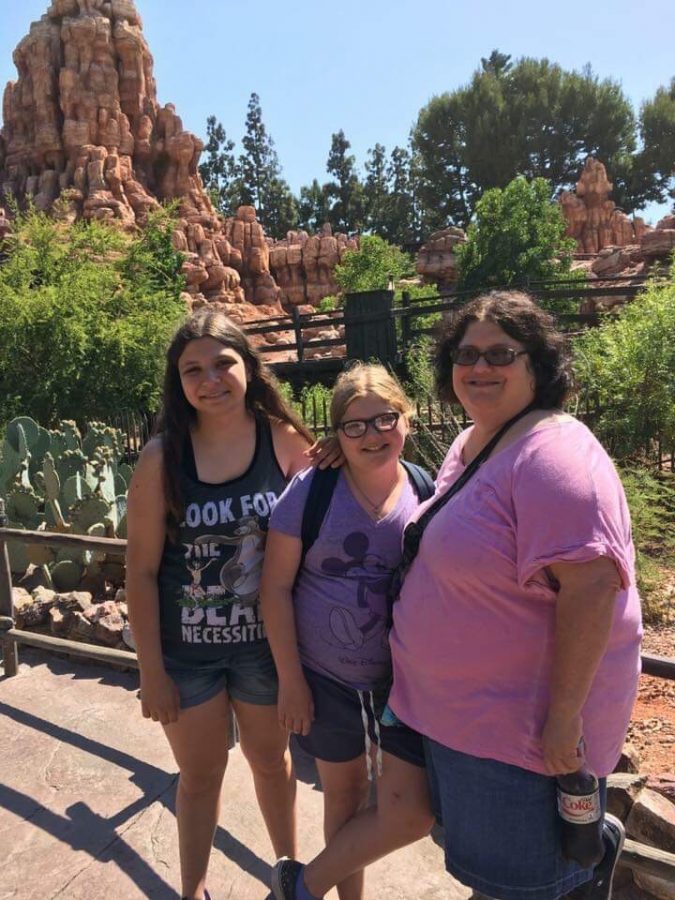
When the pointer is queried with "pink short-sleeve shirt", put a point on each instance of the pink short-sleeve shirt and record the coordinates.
(472, 642)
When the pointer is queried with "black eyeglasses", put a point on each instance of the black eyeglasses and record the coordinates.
(493, 356)
(356, 428)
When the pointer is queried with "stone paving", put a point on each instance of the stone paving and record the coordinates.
(86, 801)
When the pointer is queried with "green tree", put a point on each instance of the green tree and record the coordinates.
(629, 361)
(370, 267)
(529, 118)
(657, 126)
(345, 193)
(517, 234)
(402, 225)
(262, 184)
(313, 207)
(219, 171)
(376, 191)
(85, 315)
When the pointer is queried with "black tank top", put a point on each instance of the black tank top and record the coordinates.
(209, 581)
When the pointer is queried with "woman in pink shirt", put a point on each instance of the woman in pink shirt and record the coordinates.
(517, 631)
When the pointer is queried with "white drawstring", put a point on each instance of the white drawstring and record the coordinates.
(368, 743)
(378, 755)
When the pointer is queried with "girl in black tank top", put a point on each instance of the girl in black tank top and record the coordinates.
(209, 581)
(199, 504)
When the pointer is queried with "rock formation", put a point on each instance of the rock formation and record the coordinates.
(593, 220)
(303, 266)
(85, 136)
(437, 260)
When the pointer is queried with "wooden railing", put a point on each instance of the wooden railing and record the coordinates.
(377, 328)
(638, 856)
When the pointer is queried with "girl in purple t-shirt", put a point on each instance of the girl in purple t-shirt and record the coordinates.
(327, 618)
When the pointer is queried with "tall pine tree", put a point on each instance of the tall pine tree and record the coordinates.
(262, 184)
(345, 193)
(376, 191)
(219, 171)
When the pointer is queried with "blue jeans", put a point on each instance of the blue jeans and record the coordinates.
(246, 671)
(502, 830)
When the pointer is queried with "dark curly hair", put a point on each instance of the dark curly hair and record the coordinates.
(516, 313)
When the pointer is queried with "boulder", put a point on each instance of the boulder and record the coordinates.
(652, 820)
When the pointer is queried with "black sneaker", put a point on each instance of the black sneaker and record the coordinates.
(600, 885)
(284, 877)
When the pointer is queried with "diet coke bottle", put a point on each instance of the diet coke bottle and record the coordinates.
(581, 817)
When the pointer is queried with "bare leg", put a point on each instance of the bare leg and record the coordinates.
(402, 816)
(199, 743)
(345, 793)
(264, 743)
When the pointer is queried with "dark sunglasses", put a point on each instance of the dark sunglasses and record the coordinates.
(356, 428)
(493, 356)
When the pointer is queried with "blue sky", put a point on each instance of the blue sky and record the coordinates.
(366, 66)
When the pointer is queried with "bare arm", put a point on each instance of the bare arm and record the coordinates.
(584, 610)
(146, 534)
(282, 560)
(290, 448)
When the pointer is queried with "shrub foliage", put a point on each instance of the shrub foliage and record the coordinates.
(85, 315)
(628, 364)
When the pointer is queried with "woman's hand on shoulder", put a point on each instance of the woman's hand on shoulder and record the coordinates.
(290, 447)
(295, 705)
(325, 453)
(160, 700)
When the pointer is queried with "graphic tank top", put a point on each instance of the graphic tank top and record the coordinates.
(209, 581)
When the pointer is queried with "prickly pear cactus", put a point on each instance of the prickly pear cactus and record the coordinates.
(57, 480)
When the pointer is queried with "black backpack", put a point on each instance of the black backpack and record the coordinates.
(321, 490)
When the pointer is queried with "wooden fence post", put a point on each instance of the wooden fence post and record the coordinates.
(10, 653)
(297, 328)
(406, 328)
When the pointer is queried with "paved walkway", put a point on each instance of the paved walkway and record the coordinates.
(86, 801)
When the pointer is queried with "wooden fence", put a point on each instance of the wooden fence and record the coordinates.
(638, 856)
(374, 327)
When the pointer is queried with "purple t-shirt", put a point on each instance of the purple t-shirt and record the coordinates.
(340, 596)
(474, 628)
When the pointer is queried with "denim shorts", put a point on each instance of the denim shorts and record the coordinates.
(246, 671)
(338, 730)
(502, 830)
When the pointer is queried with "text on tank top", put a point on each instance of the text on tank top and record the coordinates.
(209, 583)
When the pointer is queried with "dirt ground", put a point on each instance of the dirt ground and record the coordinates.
(652, 729)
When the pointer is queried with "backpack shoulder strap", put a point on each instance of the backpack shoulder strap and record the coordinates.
(316, 506)
(421, 480)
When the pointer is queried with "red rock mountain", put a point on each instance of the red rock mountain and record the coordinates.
(84, 135)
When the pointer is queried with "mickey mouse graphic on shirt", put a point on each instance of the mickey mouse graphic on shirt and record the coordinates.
(348, 628)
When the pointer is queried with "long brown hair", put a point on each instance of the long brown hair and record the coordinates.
(263, 397)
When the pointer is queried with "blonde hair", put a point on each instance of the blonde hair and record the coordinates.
(367, 378)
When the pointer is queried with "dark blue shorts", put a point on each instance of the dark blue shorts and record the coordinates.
(246, 671)
(338, 732)
(502, 830)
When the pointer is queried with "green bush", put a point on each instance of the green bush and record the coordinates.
(628, 363)
(328, 304)
(86, 312)
(370, 267)
(517, 236)
(651, 500)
